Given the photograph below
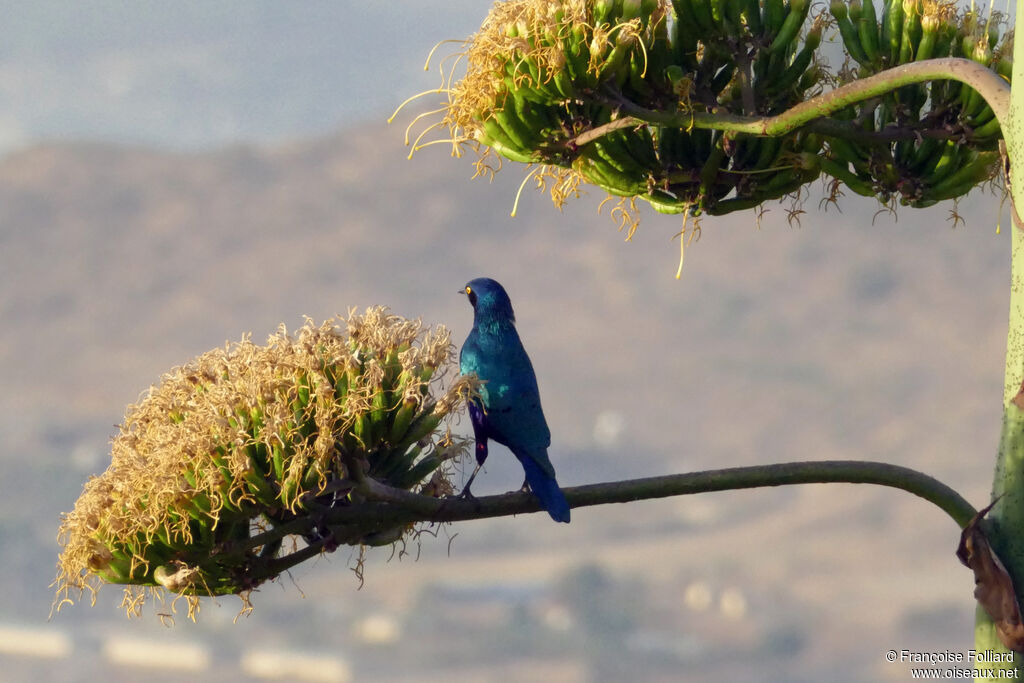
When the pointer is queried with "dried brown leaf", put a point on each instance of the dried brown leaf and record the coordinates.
(993, 587)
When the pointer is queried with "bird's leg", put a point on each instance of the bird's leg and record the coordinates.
(478, 417)
(466, 494)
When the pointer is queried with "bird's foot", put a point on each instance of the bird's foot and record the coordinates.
(465, 494)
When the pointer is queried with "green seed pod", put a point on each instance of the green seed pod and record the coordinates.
(929, 34)
(426, 423)
(790, 29)
(891, 30)
(867, 29)
(847, 30)
(420, 471)
(403, 418)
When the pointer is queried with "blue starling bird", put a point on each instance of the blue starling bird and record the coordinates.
(508, 409)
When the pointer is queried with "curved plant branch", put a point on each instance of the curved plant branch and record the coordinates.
(388, 508)
(755, 476)
(989, 85)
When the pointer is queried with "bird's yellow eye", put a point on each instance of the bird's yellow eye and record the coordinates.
(469, 290)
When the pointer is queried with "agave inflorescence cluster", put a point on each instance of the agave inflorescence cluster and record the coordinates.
(963, 132)
(220, 469)
(546, 80)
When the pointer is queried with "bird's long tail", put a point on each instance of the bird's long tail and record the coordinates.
(546, 489)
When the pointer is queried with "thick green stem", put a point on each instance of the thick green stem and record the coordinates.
(1013, 135)
(993, 88)
(1007, 517)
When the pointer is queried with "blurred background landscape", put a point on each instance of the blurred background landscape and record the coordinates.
(173, 178)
